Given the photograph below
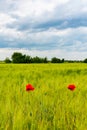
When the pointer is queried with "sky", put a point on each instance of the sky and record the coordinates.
(44, 28)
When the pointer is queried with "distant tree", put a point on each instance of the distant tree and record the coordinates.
(36, 60)
(45, 60)
(39, 60)
(62, 61)
(7, 60)
(28, 59)
(85, 60)
(17, 57)
(55, 60)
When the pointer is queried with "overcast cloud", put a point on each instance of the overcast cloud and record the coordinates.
(44, 28)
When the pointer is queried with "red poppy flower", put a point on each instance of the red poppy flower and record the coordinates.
(29, 87)
(71, 87)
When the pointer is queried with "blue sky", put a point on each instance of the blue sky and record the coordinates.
(44, 28)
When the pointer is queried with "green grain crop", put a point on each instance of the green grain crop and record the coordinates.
(51, 106)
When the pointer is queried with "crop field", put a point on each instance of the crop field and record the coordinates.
(51, 105)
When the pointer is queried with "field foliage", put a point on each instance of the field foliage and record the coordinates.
(51, 106)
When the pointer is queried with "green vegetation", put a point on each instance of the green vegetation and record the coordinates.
(85, 61)
(51, 106)
(7, 60)
(18, 57)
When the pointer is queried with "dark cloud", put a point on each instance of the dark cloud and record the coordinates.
(28, 24)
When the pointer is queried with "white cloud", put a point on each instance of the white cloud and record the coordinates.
(5, 19)
(56, 26)
(11, 34)
(36, 8)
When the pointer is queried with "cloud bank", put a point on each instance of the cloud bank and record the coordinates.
(46, 28)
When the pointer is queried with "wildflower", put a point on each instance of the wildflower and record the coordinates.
(29, 87)
(71, 87)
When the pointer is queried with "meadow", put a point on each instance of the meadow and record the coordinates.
(51, 106)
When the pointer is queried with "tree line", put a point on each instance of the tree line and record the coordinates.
(18, 57)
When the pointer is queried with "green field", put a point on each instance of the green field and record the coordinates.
(51, 106)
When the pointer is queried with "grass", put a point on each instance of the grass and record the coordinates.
(51, 106)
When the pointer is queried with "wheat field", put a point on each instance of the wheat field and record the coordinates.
(51, 106)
